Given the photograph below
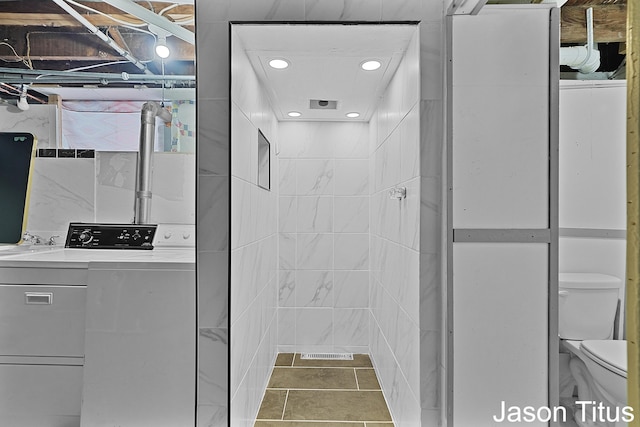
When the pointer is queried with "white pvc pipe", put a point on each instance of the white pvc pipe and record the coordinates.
(580, 58)
(585, 59)
(71, 11)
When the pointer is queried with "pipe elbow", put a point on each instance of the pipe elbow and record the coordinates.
(580, 58)
(151, 110)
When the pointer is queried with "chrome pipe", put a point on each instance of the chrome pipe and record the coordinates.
(144, 169)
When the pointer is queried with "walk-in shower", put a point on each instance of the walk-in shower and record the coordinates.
(327, 259)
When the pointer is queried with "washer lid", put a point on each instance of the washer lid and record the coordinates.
(611, 354)
(588, 281)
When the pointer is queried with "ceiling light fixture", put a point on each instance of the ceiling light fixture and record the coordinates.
(22, 102)
(162, 50)
(278, 64)
(294, 114)
(370, 65)
(353, 115)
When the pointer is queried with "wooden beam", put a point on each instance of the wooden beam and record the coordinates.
(42, 6)
(64, 20)
(609, 21)
(633, 210)
(594, 2)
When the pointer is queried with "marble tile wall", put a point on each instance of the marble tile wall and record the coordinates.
(323, 225)
(398, 343)
(253, 245)
(40, 120)
(212, 21)
(101, 189)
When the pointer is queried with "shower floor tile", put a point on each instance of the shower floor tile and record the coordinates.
(336, 405)
(323, 393)
(313, 378)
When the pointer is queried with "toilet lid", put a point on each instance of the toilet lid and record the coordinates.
(611, 354)
(588, 281)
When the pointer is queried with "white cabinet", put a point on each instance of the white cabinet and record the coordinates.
(40, 395)
(41, 348)
(140, 346)
(41, 320)
(503, 209)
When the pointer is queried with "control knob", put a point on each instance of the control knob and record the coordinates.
(85, 237)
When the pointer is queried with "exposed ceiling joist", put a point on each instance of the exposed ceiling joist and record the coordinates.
(153, 18)
(65, 20)
(57, 45)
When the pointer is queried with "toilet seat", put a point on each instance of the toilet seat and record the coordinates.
(610, 354)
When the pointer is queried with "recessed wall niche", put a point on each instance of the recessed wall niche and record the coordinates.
(264, 161)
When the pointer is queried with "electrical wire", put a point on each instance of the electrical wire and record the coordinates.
(19, 92)
(179, 22)
(29, 63)
(19, 58)
(168, 8)
(90, 9)
(6, 91)
(88, 67)
(127, 24)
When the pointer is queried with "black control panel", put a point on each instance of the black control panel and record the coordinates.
(110, 236)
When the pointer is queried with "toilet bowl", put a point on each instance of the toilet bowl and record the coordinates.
(587, 308)
(607, 363)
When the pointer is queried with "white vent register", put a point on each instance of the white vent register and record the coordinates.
(326, 356)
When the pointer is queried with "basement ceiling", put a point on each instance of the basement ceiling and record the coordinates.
(40, 35)
(58, 54)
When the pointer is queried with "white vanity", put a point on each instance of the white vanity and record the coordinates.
(98, 338)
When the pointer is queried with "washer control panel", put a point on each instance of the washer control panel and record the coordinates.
(110, 236)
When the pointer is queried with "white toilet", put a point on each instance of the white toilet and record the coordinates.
(598, 364)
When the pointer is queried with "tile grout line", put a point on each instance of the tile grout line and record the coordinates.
(321, 367)
(366, 390)
(285, 405)
(355, 374)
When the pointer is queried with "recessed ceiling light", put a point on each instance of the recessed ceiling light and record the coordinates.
(278, 64)
(353, 115)
(294, 114)
(370, 65)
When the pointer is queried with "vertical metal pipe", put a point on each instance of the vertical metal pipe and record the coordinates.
(144, 170)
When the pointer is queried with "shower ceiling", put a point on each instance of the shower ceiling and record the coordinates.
(325, 65)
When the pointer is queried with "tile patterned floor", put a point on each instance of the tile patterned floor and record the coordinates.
(323, 393)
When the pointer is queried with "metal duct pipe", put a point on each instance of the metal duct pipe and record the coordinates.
(144, 170)
(19, 75)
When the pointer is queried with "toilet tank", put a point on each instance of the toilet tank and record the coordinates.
(587, 305)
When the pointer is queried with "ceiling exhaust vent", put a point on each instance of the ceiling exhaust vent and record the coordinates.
(322, 104)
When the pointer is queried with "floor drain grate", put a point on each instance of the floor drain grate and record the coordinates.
(326, 356)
